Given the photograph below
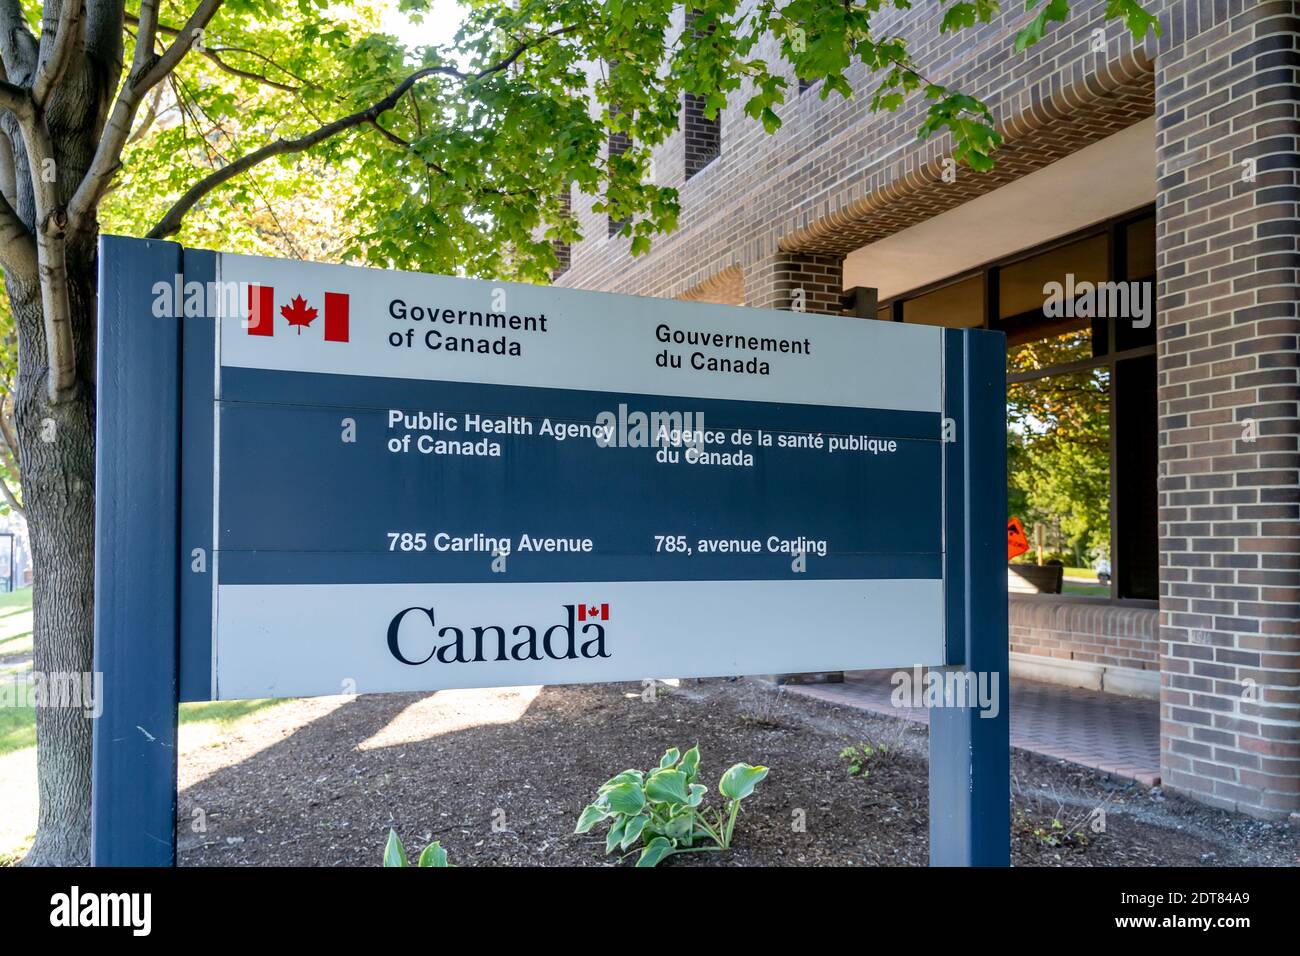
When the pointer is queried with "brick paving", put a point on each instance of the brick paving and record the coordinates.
(1118, 735)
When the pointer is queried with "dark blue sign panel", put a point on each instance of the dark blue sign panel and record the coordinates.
(530, 486)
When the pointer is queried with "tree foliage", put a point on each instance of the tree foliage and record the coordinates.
(299, 127)
(1058, 456)
(465, 172)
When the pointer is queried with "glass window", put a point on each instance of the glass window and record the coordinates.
(1140, 247)
(1058, 474)
(1140, 272)
(956, 306)
(1021, 285)
(1058, 348)
(1070, 400)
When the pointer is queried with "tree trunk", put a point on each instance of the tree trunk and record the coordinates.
(56, 441)
(57, 446)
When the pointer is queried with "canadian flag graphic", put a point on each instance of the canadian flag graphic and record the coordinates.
(593, 612)
(297, 312)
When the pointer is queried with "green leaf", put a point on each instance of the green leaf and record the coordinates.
(670, 758)
(958, 16)
(1135, 17)
(394, 852)
(615, 835)
(740, 781)
(633, 829)
(627, 776)
(680, 828)
(655, 851)
(433, 855)
(698, 790)
(691, 762)
(1053, 11)
(626, 798)
(591, 815)
(667, 786)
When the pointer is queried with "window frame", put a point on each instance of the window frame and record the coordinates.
(1115, 231)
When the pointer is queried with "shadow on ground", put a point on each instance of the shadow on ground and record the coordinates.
(500, 776)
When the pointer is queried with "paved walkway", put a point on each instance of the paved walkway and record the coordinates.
(1119, 735)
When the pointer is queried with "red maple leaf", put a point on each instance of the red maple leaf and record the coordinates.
(297, 313)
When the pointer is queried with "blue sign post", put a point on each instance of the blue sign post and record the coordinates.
(319, 479)
(137, 560)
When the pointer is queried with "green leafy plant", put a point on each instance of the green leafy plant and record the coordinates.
(860, 755)
(865, 755)
(1052, 833)
(395, 853)
(663, 809)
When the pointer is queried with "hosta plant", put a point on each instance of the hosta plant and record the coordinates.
(395, 853)
(662, 809)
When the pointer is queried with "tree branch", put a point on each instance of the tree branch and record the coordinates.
(14, 503)
(147, 71)
(17, 45)
(50, 227)
(8, 169)
(59, 54)
(146, 34)
(150, 114)
(9, 450)
(171, 222)
(214, 54)
(17, 245)
(7, 434)
(14, 98)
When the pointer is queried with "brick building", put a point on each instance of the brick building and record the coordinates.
(1170, 165)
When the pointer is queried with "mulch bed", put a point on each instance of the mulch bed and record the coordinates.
(509, 793)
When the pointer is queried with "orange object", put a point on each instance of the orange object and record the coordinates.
(1017, 542)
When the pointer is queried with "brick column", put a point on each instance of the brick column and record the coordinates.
(771, 282)
(1229, 252)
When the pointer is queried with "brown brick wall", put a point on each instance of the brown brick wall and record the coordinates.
(703, 136)
(836, 176)
(1088, 632)
(776, 213)
(803, 283)
(1229, 255)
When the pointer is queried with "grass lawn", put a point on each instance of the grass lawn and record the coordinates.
(1084, 583)
(1085, 590)
(18, 727)
(17, 724)
(15, 626)
(21, 599)
(1081, 582)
